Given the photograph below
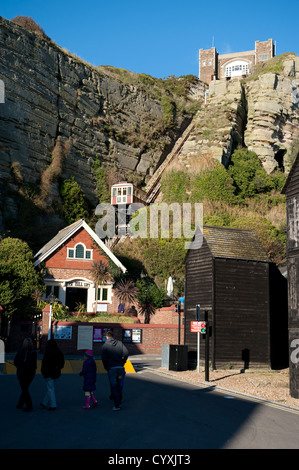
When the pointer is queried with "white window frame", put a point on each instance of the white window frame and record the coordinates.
(109, 294)
(85, 250)
(237, 68)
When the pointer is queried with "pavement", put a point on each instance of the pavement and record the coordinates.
(158, 412)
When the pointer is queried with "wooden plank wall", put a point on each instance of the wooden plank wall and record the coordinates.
(278, 318)
(292, 202)
(198, 288)
(241, 313)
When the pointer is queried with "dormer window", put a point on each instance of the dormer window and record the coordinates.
(79, 252)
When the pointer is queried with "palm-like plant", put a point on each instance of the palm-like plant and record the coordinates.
(147, 309)
(100, 272)
(37, 296)
(126, 291)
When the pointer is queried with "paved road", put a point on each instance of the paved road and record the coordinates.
(158, 412)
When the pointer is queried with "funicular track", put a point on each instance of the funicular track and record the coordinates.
(153, 187)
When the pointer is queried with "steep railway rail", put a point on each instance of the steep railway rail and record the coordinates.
(125, 193)
(153, 187)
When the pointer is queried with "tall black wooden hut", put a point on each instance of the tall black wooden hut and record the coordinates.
(232, 278)
(291, 190)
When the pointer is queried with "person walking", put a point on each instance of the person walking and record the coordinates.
(114, 357)
(26, 362)
(52, 363)
(89, 372)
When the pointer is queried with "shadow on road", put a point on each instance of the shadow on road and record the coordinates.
(157, 413)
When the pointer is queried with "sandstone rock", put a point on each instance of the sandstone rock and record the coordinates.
(51, 94)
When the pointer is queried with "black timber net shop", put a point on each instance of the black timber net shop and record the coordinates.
(245, 296)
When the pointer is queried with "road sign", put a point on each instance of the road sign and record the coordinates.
(195, 326)
(198, 327)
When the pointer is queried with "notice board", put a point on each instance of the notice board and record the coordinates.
(85, 337)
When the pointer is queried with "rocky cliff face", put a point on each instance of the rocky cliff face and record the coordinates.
(273, 114)
(260, 112)
(52, 97)
(63, 117)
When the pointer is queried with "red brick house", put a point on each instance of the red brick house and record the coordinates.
(67, 260)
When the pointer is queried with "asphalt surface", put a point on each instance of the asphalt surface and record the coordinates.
(158, 412)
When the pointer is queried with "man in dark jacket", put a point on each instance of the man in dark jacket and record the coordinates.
(114, 357)
(52, 363)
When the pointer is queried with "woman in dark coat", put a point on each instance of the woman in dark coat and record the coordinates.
(89, 372)
(26, 363)
(52, 363)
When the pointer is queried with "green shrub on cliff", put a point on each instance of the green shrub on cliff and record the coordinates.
(248, 175)
(74, 206)
(215, 185)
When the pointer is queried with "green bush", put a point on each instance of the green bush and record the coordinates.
(74, 205)
(169, 110)
(103, 192)
(272, 239)
(215, 185)
(18, 277)
(150, 293)
(174, 185)
(249, 176)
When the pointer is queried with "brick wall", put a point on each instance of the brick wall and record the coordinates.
(264, 50)
(207, 64)
(153, 336)
(211, 63)
(166, 315)
(163, 329)
(58, 260)
(225, 59)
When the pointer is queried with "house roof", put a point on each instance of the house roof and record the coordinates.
(233, 243)
(63, 235)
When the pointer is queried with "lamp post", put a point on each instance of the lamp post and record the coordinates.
(144, 276)
(51, 299)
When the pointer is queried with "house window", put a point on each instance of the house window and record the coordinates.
(79, 252)
(263, 57)
(237, 68)
(103, 294)
(52, 289)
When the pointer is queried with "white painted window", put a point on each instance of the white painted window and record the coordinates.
(104, 294)
(79, 252)
(237, 68)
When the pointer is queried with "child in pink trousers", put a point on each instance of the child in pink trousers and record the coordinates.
(89, 372)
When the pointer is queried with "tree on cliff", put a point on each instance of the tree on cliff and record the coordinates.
(18, 277)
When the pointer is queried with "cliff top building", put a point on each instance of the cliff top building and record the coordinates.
(214, 66)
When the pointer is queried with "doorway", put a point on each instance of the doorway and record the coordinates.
(75, 296)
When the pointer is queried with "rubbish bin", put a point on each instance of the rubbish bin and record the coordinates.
(174, 357)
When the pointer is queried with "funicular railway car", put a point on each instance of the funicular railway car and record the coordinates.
(122, 195)
(125, 193)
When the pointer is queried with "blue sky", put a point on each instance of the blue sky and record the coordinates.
(160, 37)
